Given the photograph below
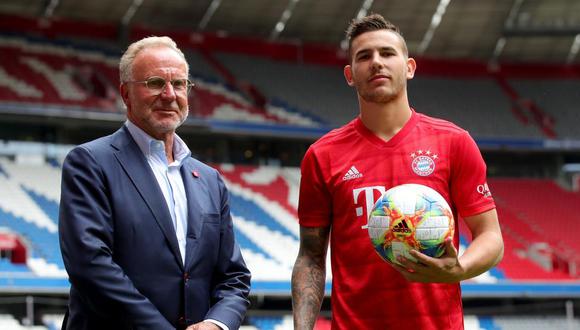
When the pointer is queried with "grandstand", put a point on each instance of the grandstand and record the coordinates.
(256, 107)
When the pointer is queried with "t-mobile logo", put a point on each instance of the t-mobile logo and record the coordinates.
(368, 199)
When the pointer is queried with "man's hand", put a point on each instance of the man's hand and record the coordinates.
(203, 326)
(445, 269)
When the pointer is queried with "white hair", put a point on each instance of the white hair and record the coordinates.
(126, 63)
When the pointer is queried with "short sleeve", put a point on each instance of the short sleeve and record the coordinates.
(314, 203)
(469, 190)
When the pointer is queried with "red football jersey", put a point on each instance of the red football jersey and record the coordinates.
(344, 173)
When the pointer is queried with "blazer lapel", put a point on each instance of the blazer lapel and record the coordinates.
(193, 187)
(135, 165)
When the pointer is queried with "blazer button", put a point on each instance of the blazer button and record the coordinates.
(186, 276)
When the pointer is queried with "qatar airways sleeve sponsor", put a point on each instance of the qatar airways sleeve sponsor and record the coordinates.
(483, 189)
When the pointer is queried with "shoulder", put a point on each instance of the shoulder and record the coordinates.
(117, 140)
(336, 138)
(439, 124)
(102, 150)
(98, 145)
(95, 149)
(442, 129)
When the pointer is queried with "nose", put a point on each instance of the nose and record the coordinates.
(167, 92)
(376, 60)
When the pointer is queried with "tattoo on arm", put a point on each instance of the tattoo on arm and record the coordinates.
(308, 276)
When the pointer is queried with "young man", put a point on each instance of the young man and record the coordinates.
(389, 144)
(145, 229)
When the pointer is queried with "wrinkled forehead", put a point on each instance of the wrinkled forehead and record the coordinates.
(159, 60)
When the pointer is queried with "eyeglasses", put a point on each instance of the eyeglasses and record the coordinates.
(157, 84)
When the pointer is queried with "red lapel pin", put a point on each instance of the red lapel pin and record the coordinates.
(195, 174)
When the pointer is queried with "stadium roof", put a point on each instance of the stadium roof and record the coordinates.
(545, 31)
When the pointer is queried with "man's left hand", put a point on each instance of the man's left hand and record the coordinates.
(203, 326)
(445, 269)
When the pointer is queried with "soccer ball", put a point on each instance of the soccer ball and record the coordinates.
(410, 216)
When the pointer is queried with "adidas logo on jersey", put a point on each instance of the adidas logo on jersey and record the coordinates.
(352, 173)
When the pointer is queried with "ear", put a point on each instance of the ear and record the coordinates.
(411, 67)
(348, 75)
(124, 91)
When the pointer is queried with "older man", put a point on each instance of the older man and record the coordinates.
(145, 230)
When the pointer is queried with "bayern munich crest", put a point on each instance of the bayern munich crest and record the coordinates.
(423, 162)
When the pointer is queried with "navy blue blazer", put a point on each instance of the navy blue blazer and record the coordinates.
(120, 250)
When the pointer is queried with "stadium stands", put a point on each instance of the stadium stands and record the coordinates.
(558, 98)
(480, 107)
(8, 322)
(517, 262)
(532, 323)
(36, 71)
(40, 73)
(51, 74)
(315, 88)
(540, 211)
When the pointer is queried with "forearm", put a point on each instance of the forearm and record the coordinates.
(230, 293)
(308, 280)
(484, 252)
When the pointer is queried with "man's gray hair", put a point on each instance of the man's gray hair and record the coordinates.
(126, 63)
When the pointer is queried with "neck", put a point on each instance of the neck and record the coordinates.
(166, 136)
(168, 141)
(385, 119)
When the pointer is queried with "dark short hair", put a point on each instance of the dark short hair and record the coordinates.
(372, 22)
